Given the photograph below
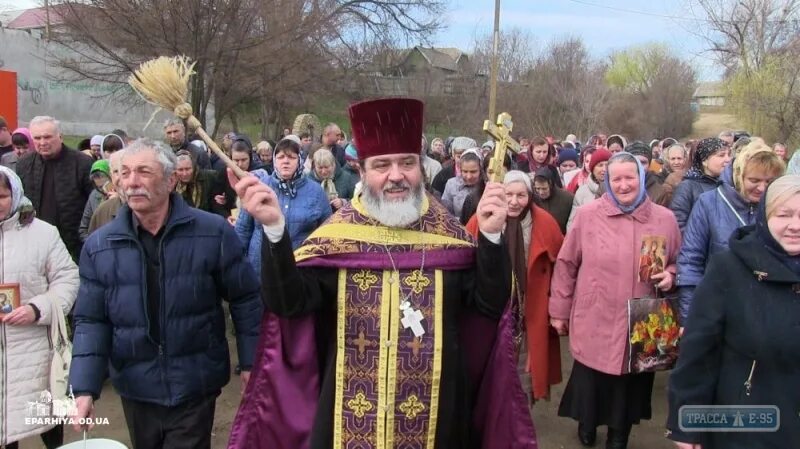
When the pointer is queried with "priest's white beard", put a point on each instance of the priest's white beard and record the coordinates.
(394, 213)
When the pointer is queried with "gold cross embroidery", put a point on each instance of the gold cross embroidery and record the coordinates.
(361, 342)
(415, 345)
(417, 281)
(365, 279)
(412, 407)
(388, 235)
(359, 405)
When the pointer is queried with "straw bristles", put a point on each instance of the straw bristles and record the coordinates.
(163, 81)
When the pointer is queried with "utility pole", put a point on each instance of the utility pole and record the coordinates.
(495, 62)
(47, 19)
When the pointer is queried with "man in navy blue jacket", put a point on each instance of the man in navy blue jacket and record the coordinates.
(149, 308)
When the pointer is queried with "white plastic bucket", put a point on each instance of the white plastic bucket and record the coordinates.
(94, 443)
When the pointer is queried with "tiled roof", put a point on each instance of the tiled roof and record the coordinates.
(36, 18)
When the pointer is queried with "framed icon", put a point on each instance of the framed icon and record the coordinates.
(9, 298)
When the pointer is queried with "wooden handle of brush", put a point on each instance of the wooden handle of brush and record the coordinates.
(194, 123)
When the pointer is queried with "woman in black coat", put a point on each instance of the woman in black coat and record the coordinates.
(741, 344)
(711, 158)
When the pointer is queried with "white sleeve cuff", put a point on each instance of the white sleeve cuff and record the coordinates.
(494, 237)
(275, 232)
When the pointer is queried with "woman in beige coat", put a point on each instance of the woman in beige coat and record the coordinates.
(32, 256)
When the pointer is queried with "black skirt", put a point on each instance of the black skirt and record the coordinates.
(596, 399)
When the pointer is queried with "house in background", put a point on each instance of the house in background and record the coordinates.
(442, 61)
(32, 19)
(710, 93)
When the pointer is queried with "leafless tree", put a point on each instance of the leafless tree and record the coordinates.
(516, 56)
(758, 41)
(742, 33)
(270, 50)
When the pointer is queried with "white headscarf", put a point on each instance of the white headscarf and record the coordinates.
(18, 199)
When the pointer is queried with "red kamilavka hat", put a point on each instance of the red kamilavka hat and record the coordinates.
(387, 126)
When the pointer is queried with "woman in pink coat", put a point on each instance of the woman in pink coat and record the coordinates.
(596, 272)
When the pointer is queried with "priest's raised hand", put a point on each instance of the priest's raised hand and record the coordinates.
(258, 199)
(493, 209)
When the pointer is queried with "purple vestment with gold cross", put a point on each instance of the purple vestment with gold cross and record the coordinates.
(389, 345)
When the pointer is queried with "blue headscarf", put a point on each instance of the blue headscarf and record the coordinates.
(19, 203)
(626, 157)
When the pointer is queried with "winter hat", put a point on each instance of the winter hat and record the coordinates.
(640, 149)
(96, 140)
(101, 166)
(599, 155)
(616, 138)
(351, 152)
(567, 154)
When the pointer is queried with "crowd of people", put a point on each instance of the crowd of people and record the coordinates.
(377, 284)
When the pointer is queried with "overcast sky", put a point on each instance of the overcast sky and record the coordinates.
(604, 25)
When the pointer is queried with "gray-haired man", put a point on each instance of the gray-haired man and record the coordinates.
(150, 308)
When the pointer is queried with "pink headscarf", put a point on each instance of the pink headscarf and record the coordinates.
(25, 132)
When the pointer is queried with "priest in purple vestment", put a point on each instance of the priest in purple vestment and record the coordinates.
(389, 326)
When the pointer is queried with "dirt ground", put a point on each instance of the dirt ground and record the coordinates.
(711, 123)
(553, 432)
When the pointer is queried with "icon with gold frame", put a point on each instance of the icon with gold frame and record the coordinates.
(9, 298)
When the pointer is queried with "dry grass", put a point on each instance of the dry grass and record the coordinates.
(710, 124)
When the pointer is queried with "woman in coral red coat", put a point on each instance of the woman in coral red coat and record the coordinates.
(534, 239)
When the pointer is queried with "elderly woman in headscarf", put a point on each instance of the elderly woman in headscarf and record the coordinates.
(710, 159)
(337, 183)
(719, 212)
(742, 339)
(39, 269)
(595, 275)
(557, 202)
(304, 203)
(199, 187)
(533, 240)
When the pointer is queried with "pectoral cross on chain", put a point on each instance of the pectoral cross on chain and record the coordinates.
(412, 318)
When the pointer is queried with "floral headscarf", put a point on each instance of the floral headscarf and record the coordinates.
(287, 186)
(705, 149)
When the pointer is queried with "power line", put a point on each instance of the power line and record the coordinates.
(641, 13)
(794, 21)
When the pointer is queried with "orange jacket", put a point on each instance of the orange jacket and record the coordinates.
(544, 353)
